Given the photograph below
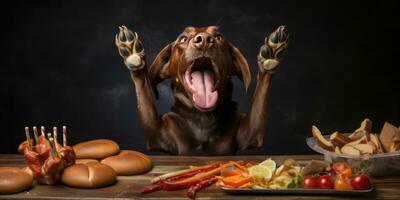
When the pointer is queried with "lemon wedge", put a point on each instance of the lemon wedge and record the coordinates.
(270, 164)
(260, 171)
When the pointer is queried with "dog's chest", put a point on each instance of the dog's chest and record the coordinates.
(209, 136)
(204, 128)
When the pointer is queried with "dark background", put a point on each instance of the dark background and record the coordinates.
(59, 65)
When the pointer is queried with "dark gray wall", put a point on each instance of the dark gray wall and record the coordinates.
(59, 65)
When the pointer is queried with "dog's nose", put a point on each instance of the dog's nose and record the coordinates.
(203, 41)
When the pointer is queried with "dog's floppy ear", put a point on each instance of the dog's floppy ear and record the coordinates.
(159, 69)
(242, 70)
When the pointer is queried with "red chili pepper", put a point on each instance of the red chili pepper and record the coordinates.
(155, 187)
(185, 180)
(191, 193)
(192, 173)
(179, 185)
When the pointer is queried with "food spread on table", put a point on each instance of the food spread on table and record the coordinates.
(90, 164)
(265, 175)
(97, 163)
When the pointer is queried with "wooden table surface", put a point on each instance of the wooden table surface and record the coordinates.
(129, 187)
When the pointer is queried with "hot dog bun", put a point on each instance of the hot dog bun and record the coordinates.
(13, 180)
(128, 162)
(89, 175)
(96, 149)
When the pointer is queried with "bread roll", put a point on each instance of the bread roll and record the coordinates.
(96, 149)
(88, 175)
(13, 180)
(128, 162)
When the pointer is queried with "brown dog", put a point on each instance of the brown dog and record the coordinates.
(203, 119)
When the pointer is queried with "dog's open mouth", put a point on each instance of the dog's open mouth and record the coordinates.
(201, 78)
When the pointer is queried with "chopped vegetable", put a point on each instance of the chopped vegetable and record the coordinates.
(296, 182)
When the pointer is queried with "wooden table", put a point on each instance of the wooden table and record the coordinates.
(128, 187)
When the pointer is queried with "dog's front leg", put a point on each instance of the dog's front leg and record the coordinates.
(132, 51)
(254, 123)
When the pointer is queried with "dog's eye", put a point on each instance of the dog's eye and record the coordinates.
(183, 39)
(218, 37)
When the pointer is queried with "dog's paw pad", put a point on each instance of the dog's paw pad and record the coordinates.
(130, 48)
(278, 36)
(133, 60)
(124, 51)
(265, 51)
(138, 46)
(125, 34)
(271, 52)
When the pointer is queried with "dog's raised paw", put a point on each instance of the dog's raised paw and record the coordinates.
(130, 48)
(271, 52)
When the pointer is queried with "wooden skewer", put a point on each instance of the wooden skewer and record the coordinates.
(64, 136)
(43, 131)
(55, 134)
(53, 146)
(28, 137)
(35, 133)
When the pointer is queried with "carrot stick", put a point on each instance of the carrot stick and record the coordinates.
(239, 166)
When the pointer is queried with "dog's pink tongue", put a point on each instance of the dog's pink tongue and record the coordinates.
(203, 81)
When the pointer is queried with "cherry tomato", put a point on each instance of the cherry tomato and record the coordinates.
(324, 182)
(361, 182)
(309, 182)
(341, 184)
